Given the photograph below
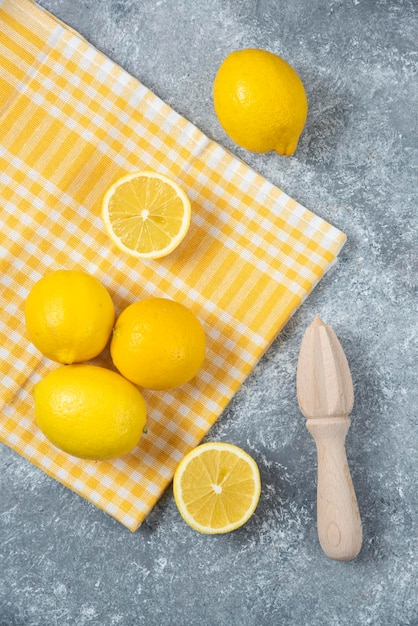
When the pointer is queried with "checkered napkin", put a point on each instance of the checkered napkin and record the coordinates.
(71, 123)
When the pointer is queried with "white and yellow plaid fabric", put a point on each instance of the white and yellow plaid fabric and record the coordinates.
(71, 123)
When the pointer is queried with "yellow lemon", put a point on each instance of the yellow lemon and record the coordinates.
(146, 214)
(89, 411)
(158, 343)
(216, 487)
(69, 316)
(260, 101)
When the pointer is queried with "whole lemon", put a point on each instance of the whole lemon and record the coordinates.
(69, 316)
(89, 411)
(260, 101)
(158, 343)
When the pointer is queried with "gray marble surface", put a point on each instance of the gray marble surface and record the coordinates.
(62, 561)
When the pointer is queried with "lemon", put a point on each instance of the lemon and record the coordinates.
(216, 487)
(260, 101)
(89, 411)
(69, 316)
(158, 343)
(146, 214)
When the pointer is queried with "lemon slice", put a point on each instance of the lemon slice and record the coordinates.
(216, 487)
(146, 214)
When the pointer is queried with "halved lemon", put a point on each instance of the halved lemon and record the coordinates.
(146, 214)
(216, 487)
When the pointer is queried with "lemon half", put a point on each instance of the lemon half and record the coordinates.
(146, 214)
(217, 487)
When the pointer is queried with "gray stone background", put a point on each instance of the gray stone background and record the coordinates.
(64, 562)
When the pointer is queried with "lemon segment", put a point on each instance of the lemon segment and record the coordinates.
(146, 214)
(217, 487)
(260, 101)
(89, 412)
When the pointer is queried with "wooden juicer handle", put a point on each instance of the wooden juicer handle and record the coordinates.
(325, 396)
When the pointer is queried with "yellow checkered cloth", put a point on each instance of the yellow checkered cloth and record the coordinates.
(71, 123)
